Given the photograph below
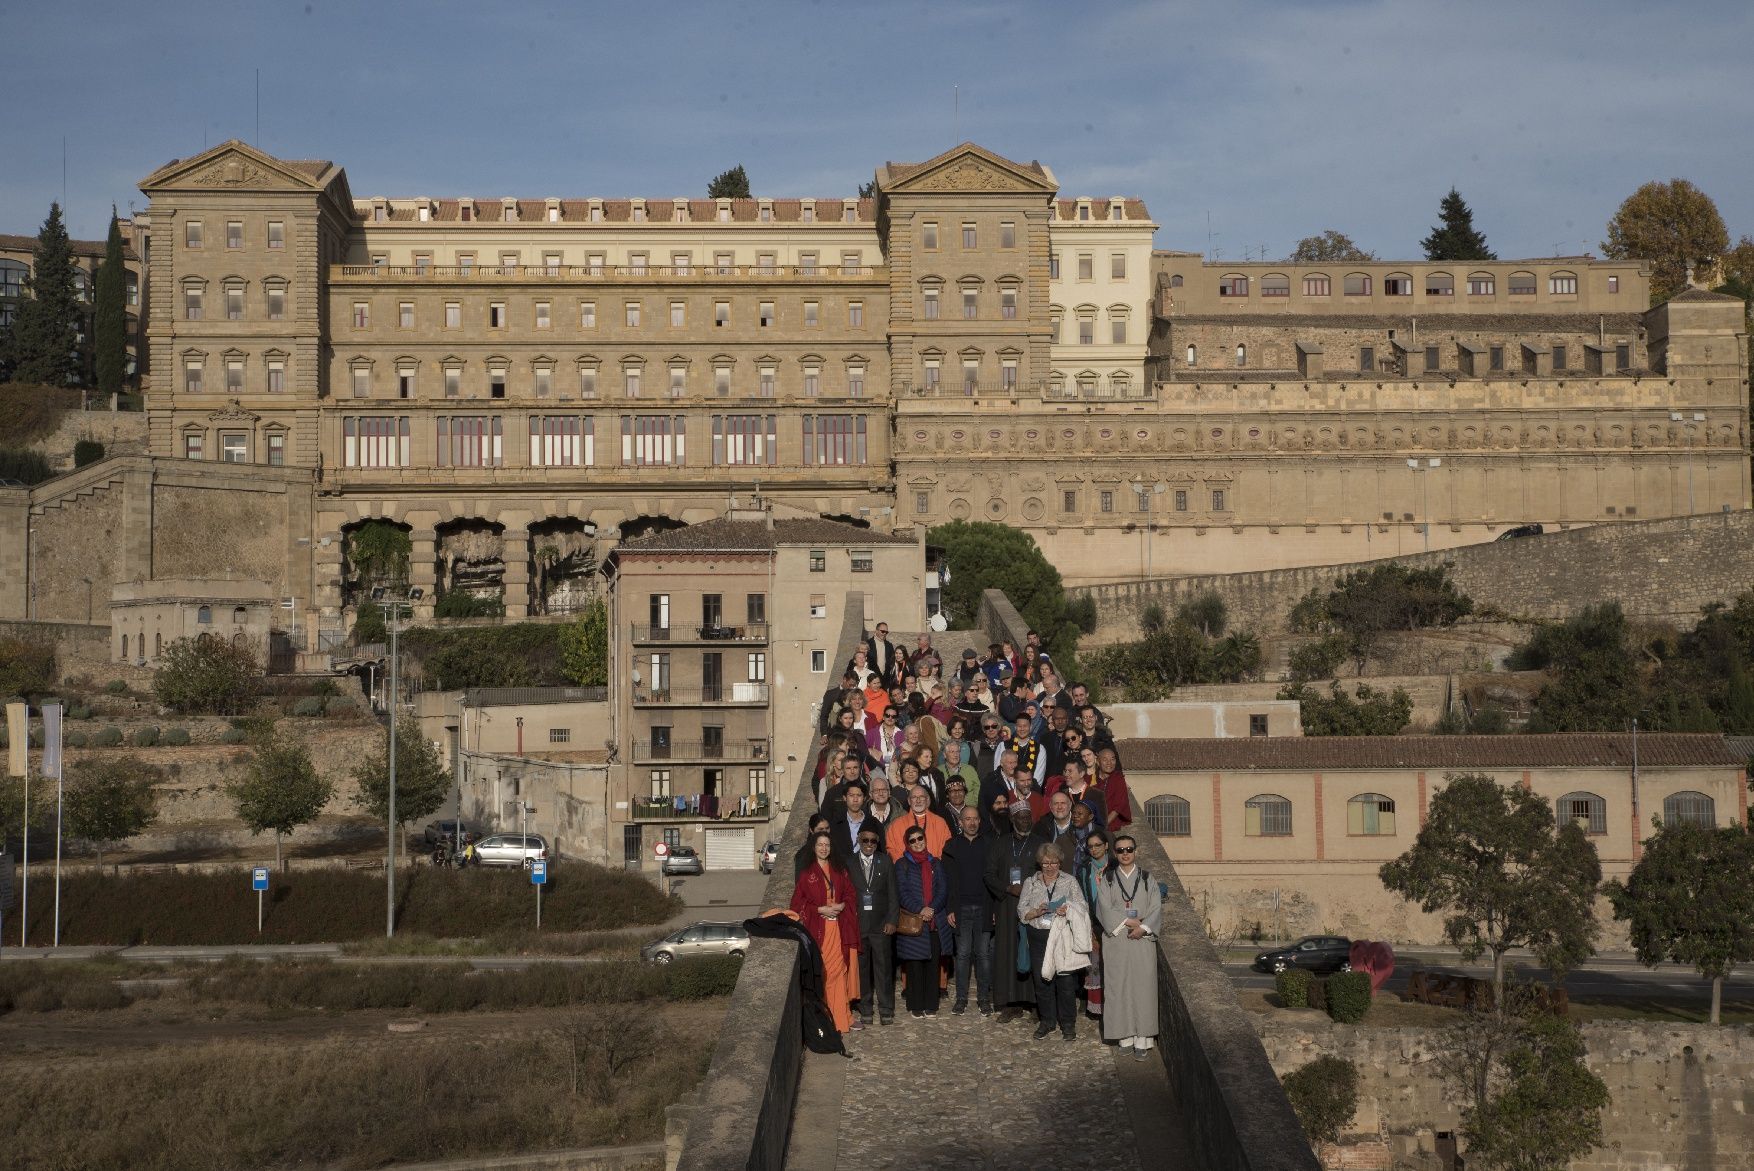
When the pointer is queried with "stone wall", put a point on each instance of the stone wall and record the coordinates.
(121, 433)
(1679, 1092)
(80, 650)
(1659, 571)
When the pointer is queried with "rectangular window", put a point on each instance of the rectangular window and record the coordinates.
(1495, 357)
(856, 381)
(1118, 330)
(1117, 266)
(234, 238)
(276, 234)
(1069, 500)
(1007, 234)
(594, 260)
(1357, 285)
(551, 260)
(362, 315)
(636, 262)
(818, 560)
(818, 662)
(234, 447)
(1233, 286)
(652, 441)
(922, 503)
(562, 441)
(861, 561)
(496, 315)
(721, 314)
(658, 612)
(1613, 284)
(1053, 266)
(755, 608)
(587, 382)
(766, 314)
(1086, 266)
(1218, 500)
(587, 315)
(1181, 499)
(806, 264)
(852, 264)
(193, 235)
(276, 302)
(276, 449)
(192, 447)
(678, 381)
(1054, 329)
(192, 302)
(1481, 284)
(1622, 356)
(968, 237)
(496, 384)
(374, 441)
(405, 315)
(560, 735)
(812, 315)
(1008, 304)
(818, 605)
(971, 375)
(543, 377)
(812, 381)
(1522, 284)
(1432, 361)
(453, 382)
(405, 383)
(931, 372)
(1086, 331)
(1366, 358)
(681, 263)
(276, 377)
(834, 440)
(466, 261)
(630, 379)
(764, 382)
(234, 376)
(724, 262)
(970, 304)
(757, 666)
(855, 314)
(745, 440)
(1106, 500)
(930, 304)
(1562, 286)
(234, 304)
(631, 317)
(362, 382)
(470, 441)
(722, 381)
(1008, 375)
(1316, 286)
(928, 237)
(192, 377)
(453, 315)
(543, 319)
(1397, 286)
(1559, 358)
(765, 263)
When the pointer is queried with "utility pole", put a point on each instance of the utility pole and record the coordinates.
(393, 610)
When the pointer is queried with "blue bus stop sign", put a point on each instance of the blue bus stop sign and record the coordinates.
(539, 871)
(259, 878)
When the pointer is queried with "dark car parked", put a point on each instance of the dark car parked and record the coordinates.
(1321, 954)
(1529, 530)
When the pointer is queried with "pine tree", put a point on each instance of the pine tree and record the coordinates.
(110, 314)
(731, 184)
(43, 345)
(1455, 238)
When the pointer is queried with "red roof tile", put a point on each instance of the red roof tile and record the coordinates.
(1316, 753)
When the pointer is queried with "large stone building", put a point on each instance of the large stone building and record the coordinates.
(521, 383)
(18, 260)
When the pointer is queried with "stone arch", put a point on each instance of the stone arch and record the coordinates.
(470, 563)
(564, 563)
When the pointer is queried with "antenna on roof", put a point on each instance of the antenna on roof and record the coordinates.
(258, 140)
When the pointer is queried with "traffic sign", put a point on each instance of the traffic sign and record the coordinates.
(259, 878)
(539, 871)
(660, 850)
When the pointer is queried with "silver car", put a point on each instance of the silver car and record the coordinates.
(510, 850)
(701, 939)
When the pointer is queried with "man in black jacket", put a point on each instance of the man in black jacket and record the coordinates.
(845, 827)
(832, 700)
(883, 657)
(971, 910)
(873, 877)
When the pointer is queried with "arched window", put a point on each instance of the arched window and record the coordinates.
(124, 648)
(1562, 284)
(1397, 284)
(1587, 810)
(1690, 809)
(1193, 355)
(1522, 284)
(1168, 815)
(1482, 284)
(1275, 284)
(1233, 285)
(204, 616)
(239, 614)
(1242, 355)
(1267, 816)
(1175, 281)
(1440, 284)
(1370, 815)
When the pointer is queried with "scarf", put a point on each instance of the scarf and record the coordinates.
(924, 862)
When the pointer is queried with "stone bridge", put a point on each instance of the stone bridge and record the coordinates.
(966, 1092)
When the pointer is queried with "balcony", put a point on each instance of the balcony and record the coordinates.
(606, 273)
(720, 695)
(738, 751)
(750, 632)
(699, 805)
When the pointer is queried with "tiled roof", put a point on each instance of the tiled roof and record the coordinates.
(735, 536)
(1131, 209)
(11, 243)
(315, 168)
(1316, 753)
(1621, 323)
(1695, 293)
(659, 210)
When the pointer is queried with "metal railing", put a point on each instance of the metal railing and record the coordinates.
(645, 751)
(753, 694)
(554, 272)
(743, 632)
(950, 388)
(697, 805)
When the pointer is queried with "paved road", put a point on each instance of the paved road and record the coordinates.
(1600, 979)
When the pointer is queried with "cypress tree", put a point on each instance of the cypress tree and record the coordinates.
(110, 314)
(1455, 238)
(43, 344)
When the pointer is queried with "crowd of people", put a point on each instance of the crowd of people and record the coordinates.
(972, 830)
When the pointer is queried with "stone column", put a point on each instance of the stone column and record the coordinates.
(516, 558)
(325, 583)
(423, 569)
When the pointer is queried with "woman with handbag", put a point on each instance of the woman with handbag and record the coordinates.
(823, 891)
(1052, 902)
(923, 934)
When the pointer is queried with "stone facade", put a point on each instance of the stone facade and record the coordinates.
(1659, 571)
(18, 260)
(1678, 1099)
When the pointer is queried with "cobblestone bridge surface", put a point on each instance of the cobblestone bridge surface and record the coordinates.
(967, 1093)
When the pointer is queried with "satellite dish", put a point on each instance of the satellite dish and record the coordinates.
(938, 623)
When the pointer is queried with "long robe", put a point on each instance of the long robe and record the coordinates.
(1009, 850)
(818, 886)
(1129, 966)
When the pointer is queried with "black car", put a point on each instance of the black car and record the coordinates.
(1321, 954)
(1529, 530)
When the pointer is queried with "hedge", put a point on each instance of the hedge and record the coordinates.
(1292, 985)
(1348, 996)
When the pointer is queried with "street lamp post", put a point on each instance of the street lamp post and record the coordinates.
(1423, 466)
(1145, 493)
(393, 610)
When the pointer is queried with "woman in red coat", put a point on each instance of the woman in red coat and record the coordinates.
(822, 894)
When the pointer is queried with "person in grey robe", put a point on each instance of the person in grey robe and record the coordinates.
(1129, 907)
(1010, 860)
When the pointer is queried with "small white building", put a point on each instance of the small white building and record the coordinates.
(147, 616)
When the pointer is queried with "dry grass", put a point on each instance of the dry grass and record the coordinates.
(1389, 1011)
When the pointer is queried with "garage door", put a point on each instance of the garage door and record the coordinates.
(730, 849)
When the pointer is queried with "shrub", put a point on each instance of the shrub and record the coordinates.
(27, 667)
(77, 740)
(109, 736)
(310, 705)
(176, 737)
(706, 976)
(206, 674)
(1292, 985)
(94, 996)
(1348, 996)
(145, 737)
(232, 736)
(79, 712)
(87, 451)
(339, 705)
(43, 997)
(116, 687)
(29, 466)
(1324, 1094)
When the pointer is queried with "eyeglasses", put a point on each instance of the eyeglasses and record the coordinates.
(916, 841)
(1123, 849)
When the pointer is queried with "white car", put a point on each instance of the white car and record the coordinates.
(510, 850)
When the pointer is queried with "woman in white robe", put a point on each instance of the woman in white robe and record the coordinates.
(1129, 907)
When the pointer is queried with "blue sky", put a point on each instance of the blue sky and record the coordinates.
(1277, 120)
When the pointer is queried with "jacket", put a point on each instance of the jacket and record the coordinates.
(884, 904)
(908, 888)
(845, 838)
(814, 890)
(965, 864)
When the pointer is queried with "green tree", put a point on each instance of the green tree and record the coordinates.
(731, 184)
(422, 781)
(43, 343)
(110, 314)
(12, 812)
(985, 556)
(1367, 712)
(110, 799)
(1368, 604)
(1455, 237)
(1593, 685)
(206, 673)
(1675, 226)
(1205, 613)
(1505, 875)
(1690, 900)
(1318, 658)
(1324, 1093)
(27, 667)
(584, 646)
(279, 788)
(1529, 1102)
(1329, 246)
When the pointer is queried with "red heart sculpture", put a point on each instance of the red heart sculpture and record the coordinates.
(1375, 959)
